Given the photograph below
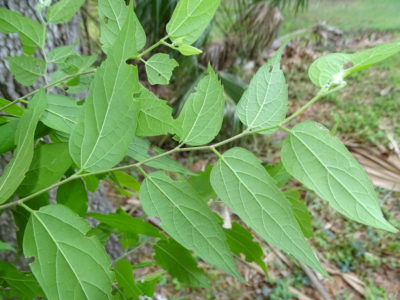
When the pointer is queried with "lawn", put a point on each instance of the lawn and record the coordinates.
(347, 15)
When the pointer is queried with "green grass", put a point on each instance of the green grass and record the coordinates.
(347, 15)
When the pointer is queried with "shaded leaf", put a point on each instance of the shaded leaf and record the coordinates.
(14, 110)
(190, 18)
(6, 247)
(159, 68)
(26, 69)
(68, 264)
(7, 133)
(201, 183)
(300, 212)
(279, 174)
(187, 219)
(108, 122)
(201, 117)
(240, 240)
(23, 285)
(49, 163)
(243, 184)
(323, 164)
(16, 169)
(126, 223)
(179, 263)
(126, 180)
(73, 195)
(265, 102)
(124, 275)
(138, 150)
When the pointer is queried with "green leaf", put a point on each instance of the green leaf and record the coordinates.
(124, 275)
(113, 15)
(179, 263)
(26, 69)
(108, 122)
(30, 31)
(331, 69)
(74, 64)
(63, 11)
(265, 102)
(127, 224)
(243, 184)
(279, 174)
(58, 55)
(62, 113)
(21, 215)
(300, 212)
(6, 247)
(73, 195)
(7, 133)
(126, 180)
(68, 264)
(240, 241)
(201, 183)
(155, 116)
(14, 110)
(49, 163)
(323, 164)
(15, 171)
(139, 151)
(159, 68)
(188, 50)
(190, 18)
(187, 219)
(23, 285)
(202, 115)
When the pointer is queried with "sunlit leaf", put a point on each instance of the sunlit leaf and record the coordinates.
(190, 18)
(26, 69)
(243, 184)
(265, 102)
(323, 164)
(333, 68)
(113, 14)
(155, 116)
(30, 31)
(63, 11)
(159, 68)
(201, 117)
(67, 263)
(108, 122)
(187, 219)
(124, 275)
(62, 113)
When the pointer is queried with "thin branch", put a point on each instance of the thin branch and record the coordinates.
(323, 92)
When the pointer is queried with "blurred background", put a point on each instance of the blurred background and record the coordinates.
(364, 263)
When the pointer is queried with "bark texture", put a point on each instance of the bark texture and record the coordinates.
(10, 45)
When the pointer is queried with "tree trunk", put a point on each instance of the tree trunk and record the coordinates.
(10, 45)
